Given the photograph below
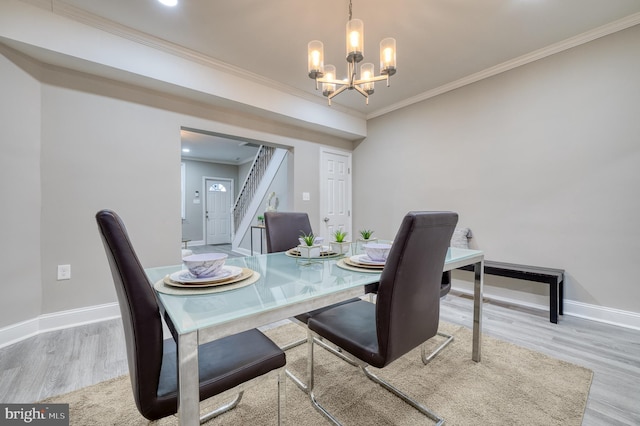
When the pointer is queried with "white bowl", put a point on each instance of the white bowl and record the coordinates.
(204, 265)
(316, 241)
(377, 251)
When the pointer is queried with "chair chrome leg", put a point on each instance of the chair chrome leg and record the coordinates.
(363, 366)
(336, 351)
(425, 358)
(293, 344)
(406, 398)
(282, 396)
(222, 409)
(312, 396)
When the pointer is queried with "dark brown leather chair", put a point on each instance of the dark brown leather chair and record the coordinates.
(283, 229)
(407, 309)
(224, 364)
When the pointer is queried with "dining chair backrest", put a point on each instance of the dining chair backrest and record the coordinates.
(408, 300)
(139, 311)
(283, 229)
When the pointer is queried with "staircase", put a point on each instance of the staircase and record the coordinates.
(254, 189)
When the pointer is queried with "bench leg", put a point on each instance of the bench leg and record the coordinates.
(561, 296)
(553, 302)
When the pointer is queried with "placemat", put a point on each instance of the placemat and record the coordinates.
(247, 277)
(342, 264)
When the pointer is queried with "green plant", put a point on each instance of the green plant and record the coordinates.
(308, 238)
(339, 235)
(366, 234)
(260, 218)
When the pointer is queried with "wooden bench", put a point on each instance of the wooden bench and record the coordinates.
(553, 277)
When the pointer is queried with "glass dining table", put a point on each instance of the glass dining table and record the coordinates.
(284, 286)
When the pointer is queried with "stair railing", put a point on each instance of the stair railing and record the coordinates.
(251, 182)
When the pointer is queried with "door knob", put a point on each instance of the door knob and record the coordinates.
(326, 219)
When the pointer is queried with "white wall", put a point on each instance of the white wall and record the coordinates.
(542, 162)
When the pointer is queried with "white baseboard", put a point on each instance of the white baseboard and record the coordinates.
(56, 321)
(242, 251)
(75, 317)
(602, 314)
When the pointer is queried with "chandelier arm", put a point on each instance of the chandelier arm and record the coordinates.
(330, 81)
(362, 92)
(371, 80)
(337, 92)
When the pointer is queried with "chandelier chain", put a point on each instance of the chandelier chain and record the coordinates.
(350, 11)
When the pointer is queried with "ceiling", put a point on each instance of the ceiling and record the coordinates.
(441, 44)
(438, 41)
(209, 147)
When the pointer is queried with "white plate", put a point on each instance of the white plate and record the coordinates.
(366, 260)
(226, 273)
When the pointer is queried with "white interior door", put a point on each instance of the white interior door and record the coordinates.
(218, 211)
(335, 193)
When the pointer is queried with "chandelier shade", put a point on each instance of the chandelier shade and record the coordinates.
(325, 75)
(355, 40)
(388, 56)
(316, 59)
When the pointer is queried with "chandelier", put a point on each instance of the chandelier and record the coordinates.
(326, 74)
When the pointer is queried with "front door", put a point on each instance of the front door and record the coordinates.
(218, 210)
(335, 193)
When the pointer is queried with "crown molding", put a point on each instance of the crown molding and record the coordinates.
(567, 44)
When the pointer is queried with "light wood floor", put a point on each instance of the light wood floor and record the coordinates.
(61, 361)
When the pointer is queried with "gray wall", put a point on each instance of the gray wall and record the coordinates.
(20, 189)
(80, 143)
(192, 226)
(542, 162)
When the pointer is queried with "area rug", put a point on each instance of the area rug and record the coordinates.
(511, 386)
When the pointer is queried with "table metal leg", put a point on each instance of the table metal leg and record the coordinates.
(188, 380)
(260, 241)
(478, 284)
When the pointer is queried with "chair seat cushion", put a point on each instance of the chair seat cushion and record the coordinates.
(224, 363)
(352, 327)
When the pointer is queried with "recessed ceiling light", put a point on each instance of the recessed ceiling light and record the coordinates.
(169, 2)
(186, 150)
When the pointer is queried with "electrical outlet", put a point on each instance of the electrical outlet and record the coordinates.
(64, 272)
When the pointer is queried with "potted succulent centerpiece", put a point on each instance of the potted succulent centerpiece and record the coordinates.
(340, 245)
(366, 236)
(308, 247)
